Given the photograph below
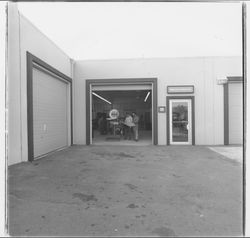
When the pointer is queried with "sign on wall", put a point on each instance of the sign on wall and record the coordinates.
(180, 89)
(161, 109)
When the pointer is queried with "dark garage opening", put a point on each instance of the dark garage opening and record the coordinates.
(110, 129)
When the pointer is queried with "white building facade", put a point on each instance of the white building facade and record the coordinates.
(49, 103)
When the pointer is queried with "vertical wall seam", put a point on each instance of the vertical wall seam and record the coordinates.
(204, 102)
(20, 81)
(212, 64)
(6, 202)
(226, 119)
(7, 78)
(72, 67)
(87, 98)
(244, 89)
(167, 120)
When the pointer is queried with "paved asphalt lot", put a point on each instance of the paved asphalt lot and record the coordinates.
(127, 191)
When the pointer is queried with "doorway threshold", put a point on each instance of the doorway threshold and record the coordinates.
(124, 142)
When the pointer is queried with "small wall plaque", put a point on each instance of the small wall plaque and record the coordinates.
(180, 89)
(162, 109)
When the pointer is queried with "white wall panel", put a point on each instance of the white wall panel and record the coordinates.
(202, 72)
(23, 36)
(50, 113)
(38, 44)
(13, 86)
(235, 107)
(208, 99)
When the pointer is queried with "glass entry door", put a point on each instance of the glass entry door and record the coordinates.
(180, 113)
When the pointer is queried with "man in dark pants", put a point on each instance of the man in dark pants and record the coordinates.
(128, 123)
(135, 128)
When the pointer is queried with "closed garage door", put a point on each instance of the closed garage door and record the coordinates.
(235, 113)
(50, 113)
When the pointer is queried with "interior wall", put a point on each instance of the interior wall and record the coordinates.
(23, 37)
(123, 101)
(202, 72)
(123, 105)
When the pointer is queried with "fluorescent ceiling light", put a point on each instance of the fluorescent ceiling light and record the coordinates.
(146, 97)
(105, 100)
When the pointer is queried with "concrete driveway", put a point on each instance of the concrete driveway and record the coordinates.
(127, 191)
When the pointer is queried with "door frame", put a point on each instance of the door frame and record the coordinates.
(122, 81)
(192, 113)
(170, 111)
(32, 61)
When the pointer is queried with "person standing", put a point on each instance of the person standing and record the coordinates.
(136, 127)
(128, 126)
(102, 123)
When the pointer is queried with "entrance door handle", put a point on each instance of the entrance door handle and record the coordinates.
(187, 126)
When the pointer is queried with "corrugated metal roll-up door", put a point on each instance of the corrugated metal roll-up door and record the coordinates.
(50, 113)
(121, 87)
(235, 113)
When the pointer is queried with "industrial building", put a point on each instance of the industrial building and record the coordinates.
(54, 101)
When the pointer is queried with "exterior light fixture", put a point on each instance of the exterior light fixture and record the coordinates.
(146, 97)
(105, 100)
